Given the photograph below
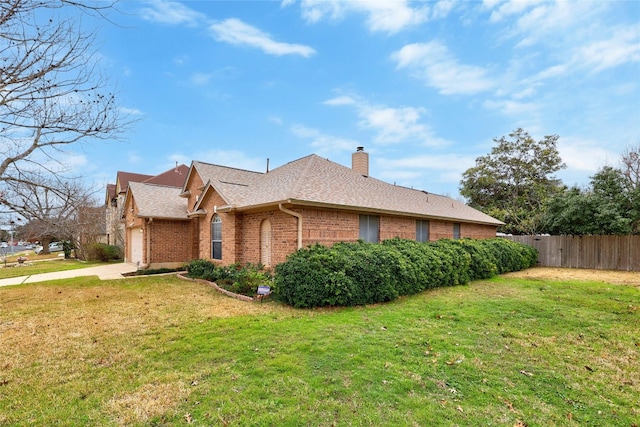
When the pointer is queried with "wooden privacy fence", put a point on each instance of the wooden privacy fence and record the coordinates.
(593, 252)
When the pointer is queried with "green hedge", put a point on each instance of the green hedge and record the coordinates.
(359, 273)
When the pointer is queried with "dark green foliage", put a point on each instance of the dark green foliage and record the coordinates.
(67, 247)
(103, 252)
(366, 273)
(611, 205)
(237, 278)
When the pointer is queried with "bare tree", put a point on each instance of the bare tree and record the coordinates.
(55, 209)
(52, 95)
(630, 160)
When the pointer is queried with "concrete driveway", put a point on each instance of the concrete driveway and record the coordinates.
(104, 272)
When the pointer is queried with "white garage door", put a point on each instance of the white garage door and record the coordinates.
(136, 246)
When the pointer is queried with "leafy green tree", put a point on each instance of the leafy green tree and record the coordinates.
(609, 206)
(514, 181)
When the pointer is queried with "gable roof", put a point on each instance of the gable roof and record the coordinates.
(315, 181)
(157, 201)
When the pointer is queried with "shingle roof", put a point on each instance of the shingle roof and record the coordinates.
(313, 180)
(173, 177)
(124, 178)
(111, 192)
(158, 201)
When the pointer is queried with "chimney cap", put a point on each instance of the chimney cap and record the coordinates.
(359, 148)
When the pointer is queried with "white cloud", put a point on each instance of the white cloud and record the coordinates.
(442, 9)
(236, 32)
(381, 16)
(445, 162)
(508, 8)
(232, 158)
(391, 125)
(324, 144)
(437, 67)
(201, 79)
(131, 111)
(172, 13)
(276, 120)
(394, 124)
(621, 48)
(340, 100)
(134, 158)
(426, 169)
(510, 107)
(585, 155)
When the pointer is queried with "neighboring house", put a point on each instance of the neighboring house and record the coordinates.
(236, 216)
(115, 194)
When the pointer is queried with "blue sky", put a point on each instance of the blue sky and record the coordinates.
(423, 86)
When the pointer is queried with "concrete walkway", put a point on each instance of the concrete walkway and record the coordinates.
(104, 272)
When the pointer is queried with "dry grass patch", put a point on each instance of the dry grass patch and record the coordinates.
(55, 333)
(148, 401)
(631, 278)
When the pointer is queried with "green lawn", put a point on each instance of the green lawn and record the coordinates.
(42, 266)
(161, 351)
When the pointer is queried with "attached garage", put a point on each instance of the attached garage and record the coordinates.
(135, 237)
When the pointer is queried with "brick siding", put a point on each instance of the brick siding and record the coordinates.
(170, 241)
(180, 241)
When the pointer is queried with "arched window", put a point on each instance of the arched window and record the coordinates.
(216, 237)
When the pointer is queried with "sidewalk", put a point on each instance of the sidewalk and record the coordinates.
(104, 272)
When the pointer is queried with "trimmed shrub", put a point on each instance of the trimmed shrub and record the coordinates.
(103, 252)
(236, 278)
(365, 273)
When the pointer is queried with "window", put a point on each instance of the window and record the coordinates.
(216, 237)
(422, 230)
(369, 228)
(456, 230)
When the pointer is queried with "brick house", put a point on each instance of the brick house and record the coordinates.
(237, 216)
(115, 194)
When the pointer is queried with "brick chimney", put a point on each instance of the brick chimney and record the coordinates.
(360, 161)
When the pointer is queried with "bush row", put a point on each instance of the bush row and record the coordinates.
(359, 273)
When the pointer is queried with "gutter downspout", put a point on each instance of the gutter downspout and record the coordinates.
(148, 244)
(299, 217)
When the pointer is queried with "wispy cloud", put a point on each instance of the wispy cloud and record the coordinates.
(391, 124)
(622, 47)
(232, 30)
(236, 32)
(234, 158)
(171, 13)
(324, 144)
(433, 63)
(131, 111)
(432, 168)
(381, 16)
